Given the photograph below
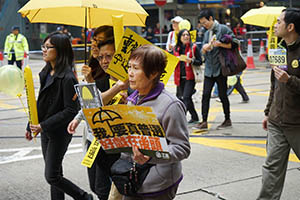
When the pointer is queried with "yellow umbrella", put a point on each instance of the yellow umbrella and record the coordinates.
(263, 16)
(74, 12)
(86, 13)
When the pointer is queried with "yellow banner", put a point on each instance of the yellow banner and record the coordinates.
(272, 39)
(119, 127)
(118, 67)
(31, 101)
(193, 34)
(91, 154)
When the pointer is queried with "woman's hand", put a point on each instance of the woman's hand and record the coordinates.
(72, 126)
(188, 60)
(138, 157)
(28, 135)
(35, 128)
(86, 71)
(122, 85)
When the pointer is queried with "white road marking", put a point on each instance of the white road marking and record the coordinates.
(21, 154)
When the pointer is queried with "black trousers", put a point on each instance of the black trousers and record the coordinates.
(99, 179)
(13, 59)
(54, 147)
(207, 88)
(239, 87)
(187, 89)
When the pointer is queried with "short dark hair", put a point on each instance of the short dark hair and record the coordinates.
(152, 58)
(206, 13)
(106, 42)
(107, 30)
(179, 43)
(65, 54)
(292, 16)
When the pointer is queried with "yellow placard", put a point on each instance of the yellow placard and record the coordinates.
(31, 101)
(118, 28)
(119, 127)
(272, 39)
(118, 67)
(91, 154)
(183, 57)
(193, 34)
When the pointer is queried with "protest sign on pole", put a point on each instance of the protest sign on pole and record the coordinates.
(118, 67)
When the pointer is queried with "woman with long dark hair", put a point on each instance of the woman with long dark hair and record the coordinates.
(57, 105)
(184, 76)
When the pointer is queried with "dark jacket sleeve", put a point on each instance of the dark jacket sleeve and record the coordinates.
(197, 61)
(271, 94)
(71, 106)
(294, 84)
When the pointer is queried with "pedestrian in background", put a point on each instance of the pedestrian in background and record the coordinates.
(171, 42)
(57, 105)
(15, 47)
(211, 49)
(236, 85)
(146, 64)
(184, 76)
(282, 113)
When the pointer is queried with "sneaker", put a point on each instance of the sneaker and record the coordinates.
(225, 124)
(218, 100)
(192, 121)
(202, 126)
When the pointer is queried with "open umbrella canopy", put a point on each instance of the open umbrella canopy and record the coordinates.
(73, 12)
(263, 16)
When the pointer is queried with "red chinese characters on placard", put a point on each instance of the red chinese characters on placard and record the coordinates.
(142, 142)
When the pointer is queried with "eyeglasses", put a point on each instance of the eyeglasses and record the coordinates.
(45, 48)
(107, 57)
(185, 35)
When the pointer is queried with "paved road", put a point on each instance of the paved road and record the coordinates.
(224, 164)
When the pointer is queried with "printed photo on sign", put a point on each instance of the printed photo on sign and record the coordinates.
(88, 94)
(119, 127)
(118, 67)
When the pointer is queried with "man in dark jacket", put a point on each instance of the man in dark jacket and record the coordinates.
(283, 109)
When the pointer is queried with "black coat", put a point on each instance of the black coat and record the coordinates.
(57, 103)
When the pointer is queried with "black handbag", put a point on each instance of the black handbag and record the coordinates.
(128, 177)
